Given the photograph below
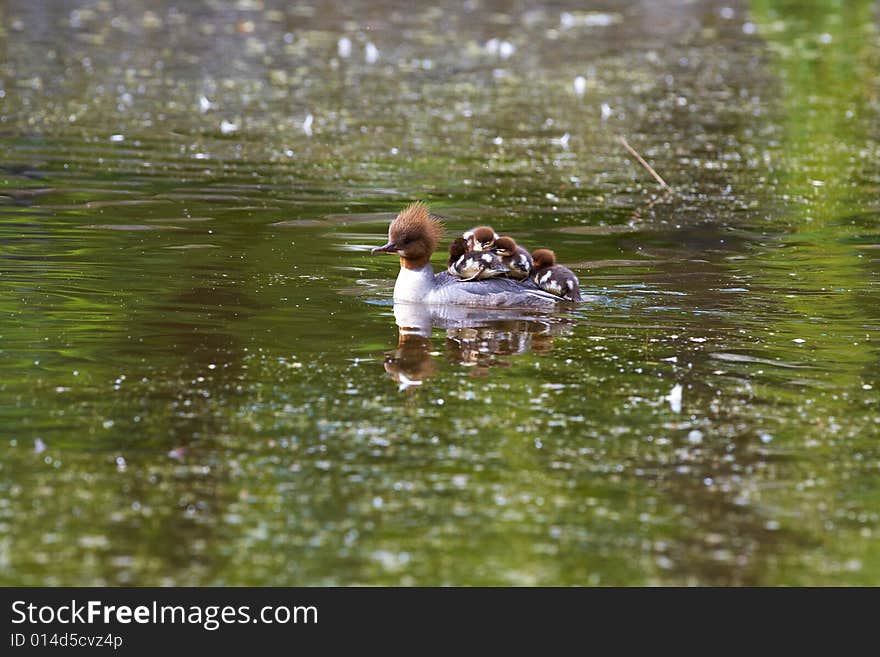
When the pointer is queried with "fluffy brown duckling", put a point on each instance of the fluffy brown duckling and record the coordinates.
(472, 265)
(517, 260)
(553, 278)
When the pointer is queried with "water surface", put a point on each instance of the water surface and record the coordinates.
(202, 379)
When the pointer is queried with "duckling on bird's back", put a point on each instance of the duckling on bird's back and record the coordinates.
(517, 260)
(473, 265)
(555, 279)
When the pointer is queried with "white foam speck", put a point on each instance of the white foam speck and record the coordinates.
(371, 53)
(674, 398)
(343, 47)
(406, 382)
(695, 437)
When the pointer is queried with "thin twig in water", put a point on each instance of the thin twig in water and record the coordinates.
(639, 212)
(641, 160)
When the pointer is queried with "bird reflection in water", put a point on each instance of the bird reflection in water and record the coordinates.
(477, 337)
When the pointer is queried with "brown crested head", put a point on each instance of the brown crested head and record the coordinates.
(413, 235)
(457, 249)
(505, 246)
(543, 258)
(481, 238)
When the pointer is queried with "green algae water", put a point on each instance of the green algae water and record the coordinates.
(202, 379)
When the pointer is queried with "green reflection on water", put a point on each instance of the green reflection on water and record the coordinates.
(201, 367)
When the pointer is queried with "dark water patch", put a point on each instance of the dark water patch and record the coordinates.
(129, 227)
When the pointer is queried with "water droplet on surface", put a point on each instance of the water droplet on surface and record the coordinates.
(674, 398)
(343, 47)
(371, 53)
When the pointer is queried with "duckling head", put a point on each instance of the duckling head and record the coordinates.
(544, 258)
(505, 246)
(457, 249)
(481, 238)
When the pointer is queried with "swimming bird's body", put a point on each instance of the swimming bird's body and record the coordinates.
(424, 286)
(414, 236)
